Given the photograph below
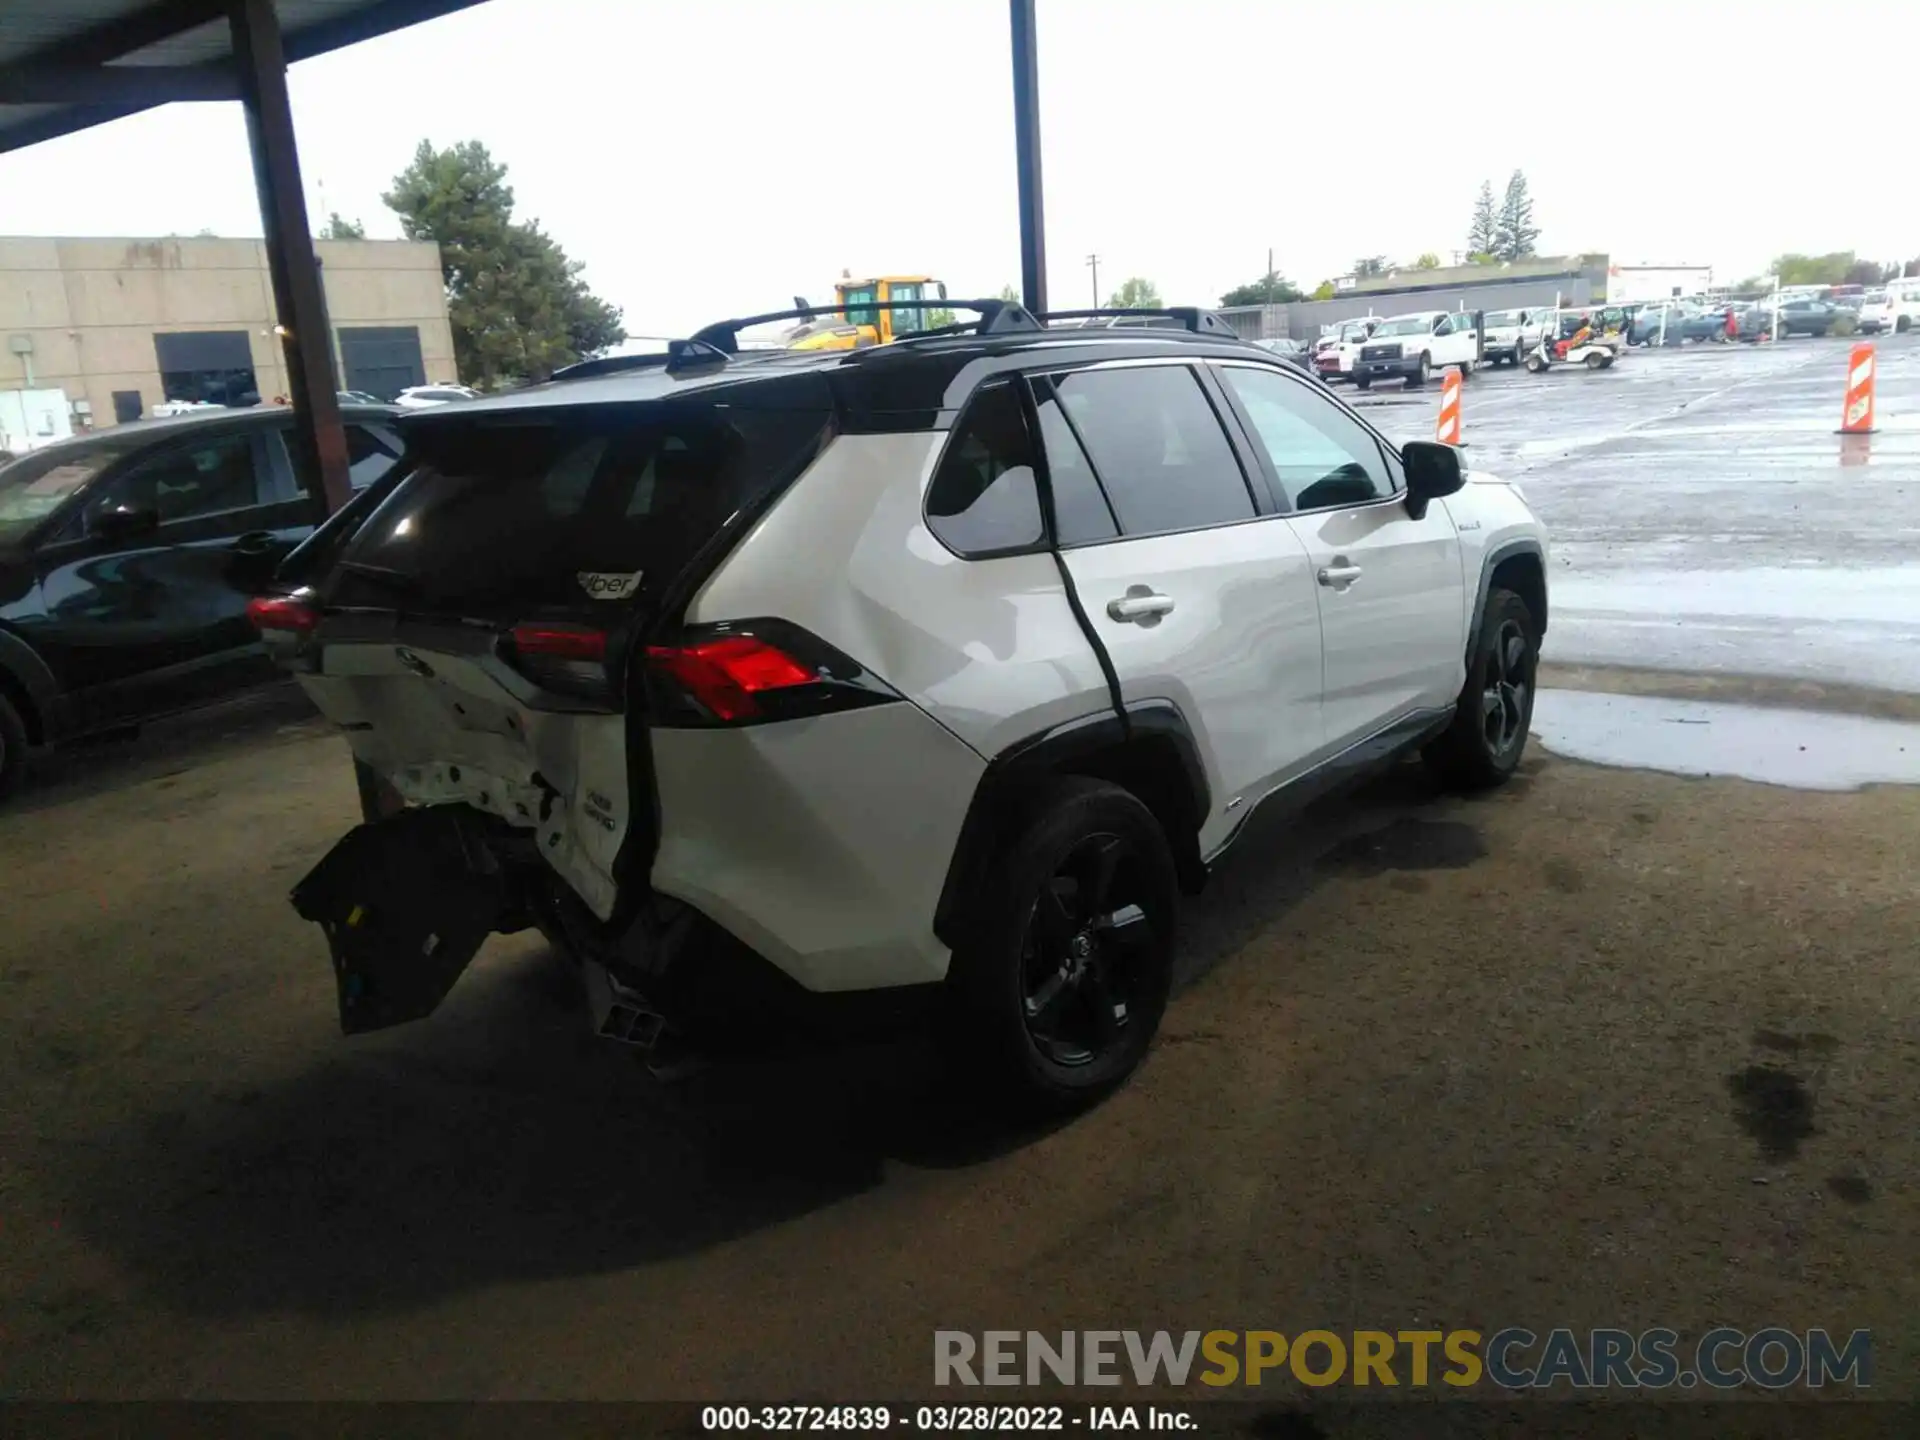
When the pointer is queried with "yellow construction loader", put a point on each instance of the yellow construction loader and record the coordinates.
(860, 317)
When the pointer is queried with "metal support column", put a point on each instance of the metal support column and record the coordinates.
(1026, 133)
(319, 443)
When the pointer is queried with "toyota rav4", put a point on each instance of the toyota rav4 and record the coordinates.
(797, 687)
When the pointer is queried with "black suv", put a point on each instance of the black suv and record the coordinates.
(127, 558)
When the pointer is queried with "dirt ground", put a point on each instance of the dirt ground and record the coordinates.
(1606, 1048)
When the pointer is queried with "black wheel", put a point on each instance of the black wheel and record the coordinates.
(1519, 356)
(1419, 377)
(13, 747)
(1058, 988)
(1902, 325)
(1596, 361)
(1535, 364)
(1363, 382)
(1483, 745)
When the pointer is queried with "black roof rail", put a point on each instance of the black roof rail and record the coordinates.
(1191, 317)
(609, 365)
(996, 317)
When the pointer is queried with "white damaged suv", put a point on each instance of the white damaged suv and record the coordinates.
(833, 688)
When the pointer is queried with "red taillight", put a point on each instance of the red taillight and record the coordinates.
(282, 613)
(561, 642)
(725, 674)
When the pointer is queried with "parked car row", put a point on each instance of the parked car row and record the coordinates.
(128, 556)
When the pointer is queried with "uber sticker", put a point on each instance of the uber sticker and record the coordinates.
(605, 585)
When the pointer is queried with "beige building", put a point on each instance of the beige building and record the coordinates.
(124, 325)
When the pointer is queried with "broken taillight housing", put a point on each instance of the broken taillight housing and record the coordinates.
(568, 659)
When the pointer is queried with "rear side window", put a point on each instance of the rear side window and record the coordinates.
(1158, 447)
(562, 509)
(984, 499)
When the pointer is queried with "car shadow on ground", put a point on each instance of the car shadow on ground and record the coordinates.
(500, 1142)
(272, 713)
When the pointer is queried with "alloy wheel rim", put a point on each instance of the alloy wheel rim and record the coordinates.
(1085, 953)
(1503, 700)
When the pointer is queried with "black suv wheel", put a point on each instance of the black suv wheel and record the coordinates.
(1058, 992)
(1483, 745)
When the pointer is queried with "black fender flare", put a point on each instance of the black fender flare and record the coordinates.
(1070, 748)
(21, 663)
(1491, 562)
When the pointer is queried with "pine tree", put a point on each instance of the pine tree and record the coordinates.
(1516, 232)
(1484, 234)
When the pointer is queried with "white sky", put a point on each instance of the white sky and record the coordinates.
(713, 157)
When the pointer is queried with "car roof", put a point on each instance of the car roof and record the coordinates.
(913, 374)
(158, 429)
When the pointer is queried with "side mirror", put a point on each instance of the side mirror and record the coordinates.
(115, 520)
(1433, 471)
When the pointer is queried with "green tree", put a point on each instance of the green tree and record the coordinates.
(1273, 288)
(338, 227)
(937, 318)
(518, 307)
(1829, 269)
(1484, 233)
(1007, 292)
(1323, 291)
(1135, 293)
(1427, 261)
(1516, 233)
(1367, 267)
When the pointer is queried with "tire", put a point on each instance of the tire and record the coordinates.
(1519, 356)
(1470, 754)
(1047, 1038)
(1596, 361)
(1535, 364)
(1419, 377)
(1363, 382)
(13, 747)
(1903, 324)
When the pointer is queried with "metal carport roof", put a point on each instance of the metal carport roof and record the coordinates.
(66, 65)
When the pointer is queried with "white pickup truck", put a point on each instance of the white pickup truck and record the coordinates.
(1412, 347)
(1512, 334)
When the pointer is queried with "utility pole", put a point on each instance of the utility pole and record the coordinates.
(1267, 283)
(1093, 263)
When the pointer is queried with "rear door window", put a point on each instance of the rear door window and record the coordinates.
(1157, 446)
(508, 514)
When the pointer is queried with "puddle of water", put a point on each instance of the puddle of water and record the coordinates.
(1797, 748)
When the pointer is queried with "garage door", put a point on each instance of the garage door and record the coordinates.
(381, 360)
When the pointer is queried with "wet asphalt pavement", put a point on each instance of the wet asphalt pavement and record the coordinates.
(1705, 516)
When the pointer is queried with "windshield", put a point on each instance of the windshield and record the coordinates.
(1406, 325)
(34, 486)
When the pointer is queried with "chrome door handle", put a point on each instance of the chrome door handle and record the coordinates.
(1139, 604)
(1334, 576)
